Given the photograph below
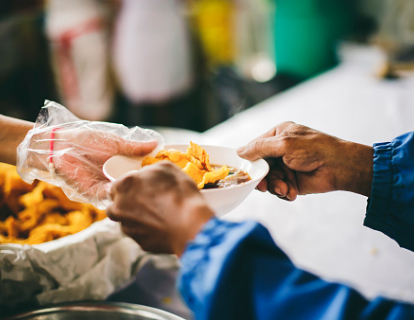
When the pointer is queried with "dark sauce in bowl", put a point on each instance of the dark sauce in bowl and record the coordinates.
(235, 177)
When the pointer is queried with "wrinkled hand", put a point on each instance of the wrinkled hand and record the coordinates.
(79, 155)
(160, 207)
(305, 161)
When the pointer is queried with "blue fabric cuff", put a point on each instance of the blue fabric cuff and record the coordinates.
(391, 206)
(378, 205)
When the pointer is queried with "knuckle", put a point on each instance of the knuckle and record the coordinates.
(113, 213)
(257, 146)
(288, 123)
(288, 158)
(285, 141)
(189, 186)
(285, 126)
(125, 183)
(168, 166)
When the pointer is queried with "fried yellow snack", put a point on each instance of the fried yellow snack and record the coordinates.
(54, 192)
(12, 226)
(33, 214)
(47, 232)
(213, 176)
(78, 220)
(195, 162)
(3, 228)
(200, 154)
(34, 197)
(194, 172)
(11, 180)
(54, 218)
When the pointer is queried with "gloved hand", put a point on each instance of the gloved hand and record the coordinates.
(70, 153)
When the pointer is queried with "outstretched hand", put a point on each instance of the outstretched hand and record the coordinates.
(304, 161)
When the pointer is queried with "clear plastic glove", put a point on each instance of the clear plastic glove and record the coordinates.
(70, 153)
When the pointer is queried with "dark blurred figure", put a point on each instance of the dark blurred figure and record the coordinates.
(25, 73)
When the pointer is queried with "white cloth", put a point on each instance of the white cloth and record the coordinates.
(151, 50)
(79, 48)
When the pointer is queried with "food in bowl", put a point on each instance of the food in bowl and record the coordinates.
(222, 200)
(196, 163)
(38, 213)
(235, 177)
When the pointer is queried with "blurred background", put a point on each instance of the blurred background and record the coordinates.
(182, 63)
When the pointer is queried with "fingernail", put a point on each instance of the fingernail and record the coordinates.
(241, 149)
(278, 191)
(257, 188)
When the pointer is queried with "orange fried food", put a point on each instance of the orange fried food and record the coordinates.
(32, 214)
(195, 162)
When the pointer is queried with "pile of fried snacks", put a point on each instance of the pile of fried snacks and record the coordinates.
(33, 214)
(195, 162)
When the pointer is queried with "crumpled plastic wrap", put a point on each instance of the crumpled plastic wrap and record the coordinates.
(68, 152)
(88, 265)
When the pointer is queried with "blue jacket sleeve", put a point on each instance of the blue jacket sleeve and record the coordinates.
(235, 271)
(391, 206)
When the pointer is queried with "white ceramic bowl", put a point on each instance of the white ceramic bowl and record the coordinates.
(222, 200)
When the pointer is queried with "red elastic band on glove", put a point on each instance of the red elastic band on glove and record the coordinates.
(52, 140)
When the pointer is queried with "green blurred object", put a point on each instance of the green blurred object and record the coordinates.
(306, 34)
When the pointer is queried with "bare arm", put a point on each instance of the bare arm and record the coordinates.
(12, 133)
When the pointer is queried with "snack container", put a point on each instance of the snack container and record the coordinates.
(88, 265)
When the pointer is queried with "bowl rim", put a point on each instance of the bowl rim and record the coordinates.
(212, 190)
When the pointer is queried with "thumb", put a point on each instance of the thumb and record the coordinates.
(139, 148)
(262, 148)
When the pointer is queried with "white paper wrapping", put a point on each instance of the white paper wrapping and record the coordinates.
(88, 265)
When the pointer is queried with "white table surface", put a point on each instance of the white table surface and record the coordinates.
(324, 233)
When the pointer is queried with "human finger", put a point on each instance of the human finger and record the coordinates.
(124, 184)
(132, 148)
(278, 187)
(276, 130)
(292, 187)
(262, 148)
(113, 213)
(112, 192)
(258, 148)
(292, 193)
(262, 186)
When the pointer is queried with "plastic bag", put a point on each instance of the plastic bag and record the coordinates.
(68, 152)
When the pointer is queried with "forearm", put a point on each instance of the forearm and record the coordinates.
(12, 134)
(354, 168)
